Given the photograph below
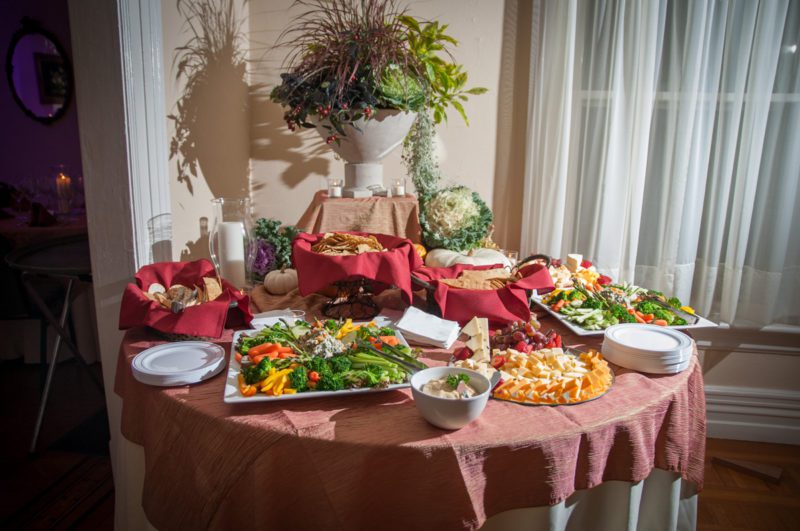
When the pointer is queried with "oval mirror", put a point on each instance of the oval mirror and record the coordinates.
(39, 73)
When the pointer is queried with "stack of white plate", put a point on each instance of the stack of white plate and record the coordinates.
(182, 363)
(648, 348)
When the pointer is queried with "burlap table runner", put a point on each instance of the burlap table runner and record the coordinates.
(372, 462)
(396, 216)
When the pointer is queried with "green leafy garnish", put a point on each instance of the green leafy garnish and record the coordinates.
(454, 379)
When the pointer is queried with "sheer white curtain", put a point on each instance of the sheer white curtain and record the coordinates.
(664, 142)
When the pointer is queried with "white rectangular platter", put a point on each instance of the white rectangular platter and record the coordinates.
(233, 396)
(574, 328)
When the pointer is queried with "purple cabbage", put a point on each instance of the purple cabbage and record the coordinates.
(264, 260)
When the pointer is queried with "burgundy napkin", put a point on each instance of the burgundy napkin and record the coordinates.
(207, 320)
(500, 306)
(391, 267)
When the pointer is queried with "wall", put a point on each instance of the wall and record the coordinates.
(30, 148)
(217, 126)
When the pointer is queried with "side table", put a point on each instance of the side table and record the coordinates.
(395, 216)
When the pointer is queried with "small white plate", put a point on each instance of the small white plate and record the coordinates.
(179, 363)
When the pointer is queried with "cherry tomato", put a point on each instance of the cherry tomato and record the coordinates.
(313, 376)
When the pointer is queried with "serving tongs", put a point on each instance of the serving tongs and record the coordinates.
(688, 317)
(411, 365)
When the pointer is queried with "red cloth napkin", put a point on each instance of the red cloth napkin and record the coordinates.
(500, 306)
(391, 267)
(207, 320)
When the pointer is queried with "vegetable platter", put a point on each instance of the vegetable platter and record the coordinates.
(588, 309)
(294, 359)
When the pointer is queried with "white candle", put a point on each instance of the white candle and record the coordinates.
(63, 192)
(231, 252)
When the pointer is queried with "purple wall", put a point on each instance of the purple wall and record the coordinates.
(28, 147)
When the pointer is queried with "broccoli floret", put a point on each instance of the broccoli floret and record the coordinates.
(574, 295)
(256, 373)
(621, 313)
(675, 302)
(648, 307)
(592, 303)
(340, 364)
(317, 364)
(330, 382)
(679, 321)
(664, 314)
(331, 325)
(298, 378)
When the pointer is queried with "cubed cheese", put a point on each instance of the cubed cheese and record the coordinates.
(574, 262)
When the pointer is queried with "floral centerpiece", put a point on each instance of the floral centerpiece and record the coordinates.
(350, 58)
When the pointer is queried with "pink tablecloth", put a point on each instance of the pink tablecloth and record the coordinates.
(371, 462)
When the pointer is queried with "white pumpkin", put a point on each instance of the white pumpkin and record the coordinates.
(280, 282)
(478, 257)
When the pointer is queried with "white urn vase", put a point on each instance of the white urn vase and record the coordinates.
(365, 144)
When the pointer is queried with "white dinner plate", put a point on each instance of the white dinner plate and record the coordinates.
(180, 363)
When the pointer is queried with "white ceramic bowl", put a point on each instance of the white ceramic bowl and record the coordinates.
(448, 413)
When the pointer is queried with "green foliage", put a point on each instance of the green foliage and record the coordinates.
(446, 80)
(399, 90)
(454, 218)
(270, 230)
(418, 155)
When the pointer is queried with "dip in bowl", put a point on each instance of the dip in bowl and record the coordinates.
(449, 413)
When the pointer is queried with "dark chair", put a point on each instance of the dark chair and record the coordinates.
(15, 305)
(63, 261)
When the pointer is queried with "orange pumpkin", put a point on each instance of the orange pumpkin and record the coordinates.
(421, 251)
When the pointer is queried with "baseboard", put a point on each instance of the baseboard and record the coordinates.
(753, 414)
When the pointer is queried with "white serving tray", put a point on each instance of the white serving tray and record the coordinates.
(233, 396)
(702, 322)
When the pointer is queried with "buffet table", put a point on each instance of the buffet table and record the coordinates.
(397, 216)
(371, 461)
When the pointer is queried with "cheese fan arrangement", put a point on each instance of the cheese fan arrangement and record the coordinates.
(549, 376)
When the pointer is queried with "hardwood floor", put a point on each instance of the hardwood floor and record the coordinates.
(69, 485)
(732, 500)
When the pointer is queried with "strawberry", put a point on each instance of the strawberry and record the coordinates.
(586, 264)
(603, 280)
(520, 346)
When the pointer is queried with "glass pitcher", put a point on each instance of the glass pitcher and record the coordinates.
(229, 241)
